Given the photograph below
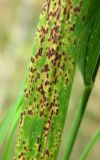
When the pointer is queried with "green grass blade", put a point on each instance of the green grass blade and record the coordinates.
(10, 144)
(90, 146)
(77, 122)
(90, 47)
(94, 6)
(9, 118)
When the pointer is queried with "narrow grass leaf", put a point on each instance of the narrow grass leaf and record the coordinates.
(90, 146)
(10, 141)
(9, 118)
(90, 47)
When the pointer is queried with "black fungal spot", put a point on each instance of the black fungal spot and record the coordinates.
(39, 53)
(32, 59)
(39, 148)
(46, 68)
(30, 112)
(47, 152)
(47, 83)
(84, 18)
(57, 13)
(32, 69)
(75, 41)
(42, 113)
(76, 10)
(51, 52)
(72, 28)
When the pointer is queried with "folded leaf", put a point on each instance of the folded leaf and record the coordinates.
(90, 46)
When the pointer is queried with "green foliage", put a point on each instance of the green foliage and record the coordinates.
(77, 121)
(90, 46)
(94, 6)
(10, 119)
(63, 33)
(89, 60)
(10, 143)
(90, 146)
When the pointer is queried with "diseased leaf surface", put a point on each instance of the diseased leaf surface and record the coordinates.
(49, 79)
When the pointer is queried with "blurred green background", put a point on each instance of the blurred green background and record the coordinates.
(18, 21)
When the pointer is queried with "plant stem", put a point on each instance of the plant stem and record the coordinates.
(77, 121)
(89, 147)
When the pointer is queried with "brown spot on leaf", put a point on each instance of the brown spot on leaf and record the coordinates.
(30, 112)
